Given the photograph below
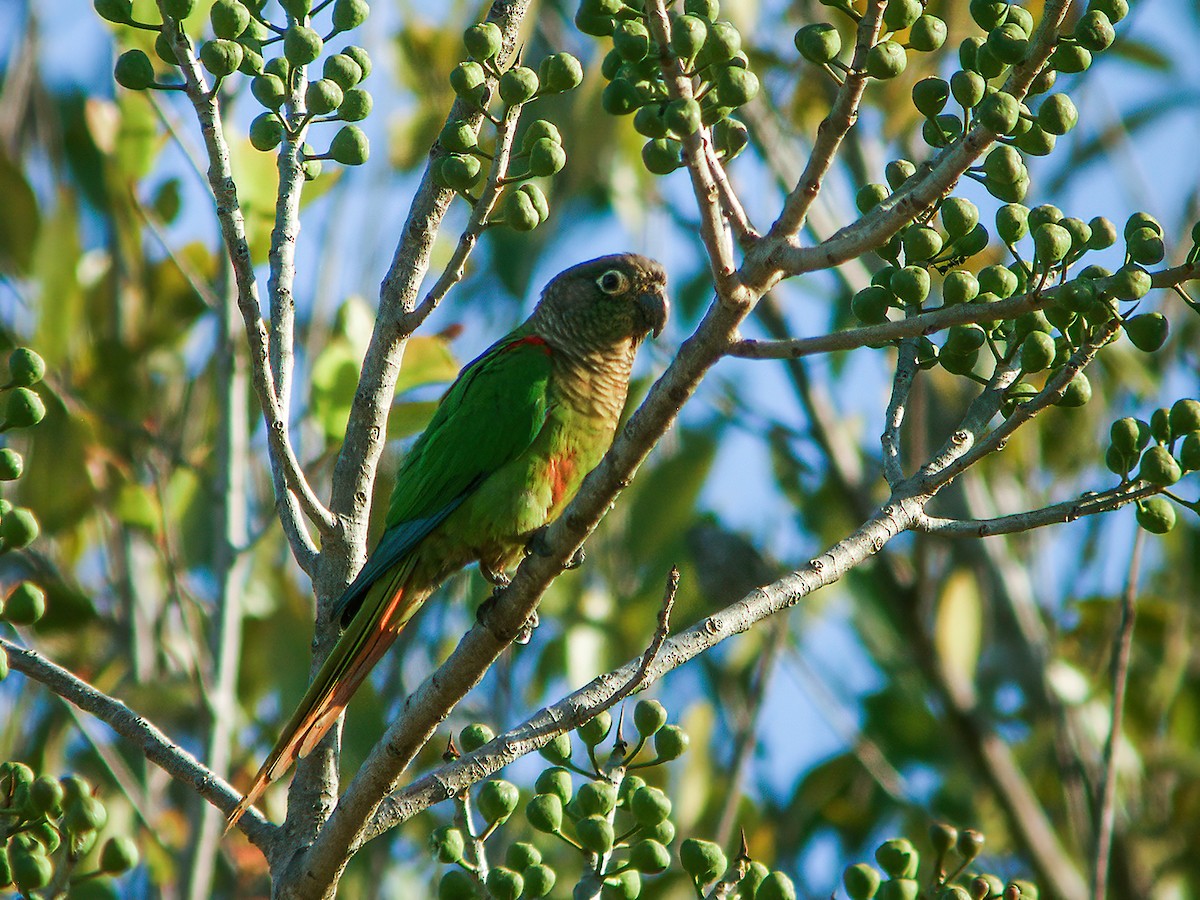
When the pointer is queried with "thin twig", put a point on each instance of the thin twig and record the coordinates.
(902, 382)
(154, 745)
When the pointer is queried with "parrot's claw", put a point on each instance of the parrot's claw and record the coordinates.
(537, 546)
(498, 579)
(526, 632)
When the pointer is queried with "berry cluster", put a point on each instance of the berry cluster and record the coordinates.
(47, 826)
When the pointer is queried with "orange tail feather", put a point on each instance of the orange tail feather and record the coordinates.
(356, 653)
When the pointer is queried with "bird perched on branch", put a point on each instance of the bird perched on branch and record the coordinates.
(506, 450)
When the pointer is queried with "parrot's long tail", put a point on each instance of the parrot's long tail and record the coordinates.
(388, 606)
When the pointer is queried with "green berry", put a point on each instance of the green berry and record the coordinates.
(927, 34)
(649, 805)
(1156, 515)
(1037, 352)
(457, 884)
(519, 212)
(1145, 247)
(959, 286)
(1003, 164)
(625, 886)
(323, 96)
(221, 57)
(921, 243)
(348, 14)
(447, 844)
(595, 833)
(119, 854)
(545, 813)
(756, 874)
(662, 156)
(119, 12)
(597, 798)
(84, 814)
(349, 146)
(681, 116)
(1078, 392)
(518, 85)
(30, 870)
(900, 14)
(988, 14)
(11, 464)
(539, 880)
(1051, 243)
(483, 41)
(360, 56)
(301, 45)
(558, 750)
(459, 172)
(870, 305)
(897, 172)
(1189, 452)
(555, 780)
(688, 34)
(458, 137)
(724, 43)
(1009, 42)
(1159, 467)
(620, 97)
(596, 729)
(930, 95)
(560, 72)
(546, 157)
(269, 90)
(959, 216)
(886, 60)
(650, 715)
(179, 9)
(776, 886)
(819, 43)
(631, 39)
(1185, 416)
(134, 70)
(229, 19)
(504, 884)
(19, 529)
(736, 87)
(1057, 114)
(861, 881)
(998, 280)
(649, 856)
(266, 132)
(342, 70)
(898, 857)
(356, 105)
(1070, 58)
(999, 112)
(1147, 332)
(522, 855)
(1094, 31)
(538, 129)
(870, 196)
(536, 199)
(703, 860)
(1130, 282)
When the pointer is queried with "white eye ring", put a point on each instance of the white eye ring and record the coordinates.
(612, 282)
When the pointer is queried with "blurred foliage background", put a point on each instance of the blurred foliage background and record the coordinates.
(818, 733)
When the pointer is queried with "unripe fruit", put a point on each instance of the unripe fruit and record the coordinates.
(1003, 163)
(649, 805)
(999, 112)
(1147, 332)
(620, 98)
(998, 280)
(360, 56)
(447, 844)
(870, 305)
(724, 43)
(595, 833)
(776, 886)
(342, 70)
(625, 886)
(1145, 246)
(84, 814)
(457, 884)
(1051, 243)
(539, 880)
(119, 854)
(898, 857)
(539, 129)
(266, 132)
(819, 43)
(356, 105)
(221, 57)
(474, 736)
(959, 216)
(30, 870)
(988, 14)
(1009, 43)
(650, 715)
(518, 85)
(900, 14)
(1094, 31)
(960, 286)
(736, 87)
(1189, 452)
(483, 41)
(1037, 352)
(930, 95)
(120, 12)
(861, 881)
(927, 34)
(703, 860)
(870, 196)
(1156, 515)
(649, 856)
(349, 146)
(631, 39)
(458, 137)
(1078, 392)
(1071, 58)
(756, 874)
(899, 889)
(559, 749)
(921, 243)
(968, 88)
(546, 157)
(661, 156)
(18, 528)
(504, 884)
(596, 798)
(134, 70)
(545, 813)
(596, 729)
(536, 199)
(348, 14)
(560, 72)
(1057, 114)
(23, 409)
(269, 90)
(497, 800)
(522, 855)
(178, 9)
(301, 45)
(886, 60)
(897, 172)
(229, 18)
(911, 284)
(688, 34)
(1159, 467)
(323, 96)
(1185, 416)
(680, 116)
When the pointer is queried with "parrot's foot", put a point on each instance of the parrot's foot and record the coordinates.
(498, 579)
(537, 546)
(526, 632)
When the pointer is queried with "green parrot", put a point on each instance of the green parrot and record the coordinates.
(505, 451)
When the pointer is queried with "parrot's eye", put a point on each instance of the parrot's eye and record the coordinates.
(612, 282)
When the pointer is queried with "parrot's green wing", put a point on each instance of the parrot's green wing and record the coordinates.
(487, 418)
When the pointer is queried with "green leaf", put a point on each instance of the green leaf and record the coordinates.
(19, 220)
(958, 626)
(427, 360)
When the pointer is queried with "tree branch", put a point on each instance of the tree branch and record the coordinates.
(155, 745)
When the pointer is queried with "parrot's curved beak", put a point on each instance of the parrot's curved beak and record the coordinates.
(654, 307)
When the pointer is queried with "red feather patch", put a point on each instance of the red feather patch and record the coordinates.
(532, 340)
(559, 471)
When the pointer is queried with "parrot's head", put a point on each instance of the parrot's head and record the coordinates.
(612, 300)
